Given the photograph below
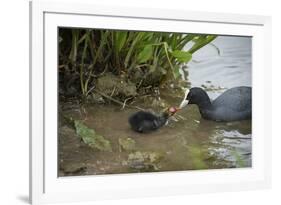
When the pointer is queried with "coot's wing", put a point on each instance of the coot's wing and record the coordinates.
(236, 99)
(224, 114)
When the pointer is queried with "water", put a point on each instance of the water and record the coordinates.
(223, 64)
(188, 142)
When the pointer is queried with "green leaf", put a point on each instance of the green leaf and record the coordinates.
(91, 138)
(182, 56)
(121, 37)
(176, 72)
(132, 47)
(145, 54)
(201, 41)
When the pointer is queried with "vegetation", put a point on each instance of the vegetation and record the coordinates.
(142, 58)
(91, 138)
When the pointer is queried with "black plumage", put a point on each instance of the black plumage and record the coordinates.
(145, 122)
(232, 105)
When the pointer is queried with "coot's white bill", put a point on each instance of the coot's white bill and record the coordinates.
(184, 101)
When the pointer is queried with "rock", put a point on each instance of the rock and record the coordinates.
(95, 98)
(154, 102)
(113, 85)
(127, 144)
(73, 168)
(144, 161)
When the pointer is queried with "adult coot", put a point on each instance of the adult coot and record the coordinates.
(144, 122)
(232, 105)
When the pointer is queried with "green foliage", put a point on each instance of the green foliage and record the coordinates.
(91, 138)
(91, 52)
(200, 41)
(145, 54)
(120, 39)
(182, 56)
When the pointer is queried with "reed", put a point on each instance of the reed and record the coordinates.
(90, 53)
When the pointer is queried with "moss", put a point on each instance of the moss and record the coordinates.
(91, 138)
(127, 144)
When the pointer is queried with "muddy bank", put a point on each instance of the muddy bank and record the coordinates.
(186, 143)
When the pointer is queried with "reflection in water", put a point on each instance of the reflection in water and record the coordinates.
(231, 145)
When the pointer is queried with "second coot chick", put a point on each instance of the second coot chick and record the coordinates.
(144, 121)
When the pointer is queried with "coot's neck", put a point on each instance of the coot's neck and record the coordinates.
(205, 103)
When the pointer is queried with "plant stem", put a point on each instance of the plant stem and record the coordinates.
(82, 68)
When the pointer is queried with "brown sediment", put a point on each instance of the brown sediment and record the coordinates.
(187, 143)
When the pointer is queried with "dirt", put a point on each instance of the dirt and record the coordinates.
(186, 143)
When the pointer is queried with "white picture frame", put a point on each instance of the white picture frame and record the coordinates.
(46, 186)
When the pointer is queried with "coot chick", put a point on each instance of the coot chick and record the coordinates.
(145, 122)
(232, 105)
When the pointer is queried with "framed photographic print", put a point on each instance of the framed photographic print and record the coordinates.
(130, 102)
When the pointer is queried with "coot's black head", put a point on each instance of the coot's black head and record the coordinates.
(196, 96)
